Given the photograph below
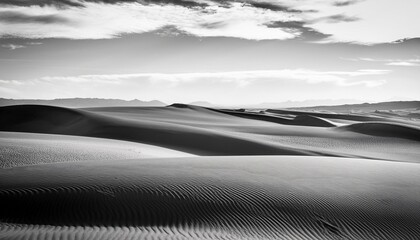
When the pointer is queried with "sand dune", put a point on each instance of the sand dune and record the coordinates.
(308, 120)
(19, 149)
(165, 133)
(213, 198)
(204, 131)
(178, 172)
(386, 130)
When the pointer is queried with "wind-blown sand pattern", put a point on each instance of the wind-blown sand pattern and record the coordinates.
(215, 197)
(19, 149)
(133, 173)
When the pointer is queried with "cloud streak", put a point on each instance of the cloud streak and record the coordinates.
(345, 3)
(234, 87)
(404, 64)
(12, 17)
(13, 46)
(299, 28)
(391, 62)
(239, 78)
(337, 18)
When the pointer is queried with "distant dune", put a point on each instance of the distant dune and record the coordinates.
(190, 172)
(367, 107)
(204, 131)
(386, 130)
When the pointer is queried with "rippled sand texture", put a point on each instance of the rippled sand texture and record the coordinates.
(20, 149)
(186, 172)
(213, 197)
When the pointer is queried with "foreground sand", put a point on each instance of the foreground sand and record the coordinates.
(213, 197)
(179, 172)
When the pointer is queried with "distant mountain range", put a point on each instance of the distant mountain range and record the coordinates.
(366, 107)
(83, 102)
(286, 104)
(324, 105)
(305, 103)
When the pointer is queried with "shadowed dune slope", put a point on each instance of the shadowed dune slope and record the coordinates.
(308, 120)
(204, 131)
(351, 117)
(202, 141)
(385, 130)
(212, 198)
(298, 120)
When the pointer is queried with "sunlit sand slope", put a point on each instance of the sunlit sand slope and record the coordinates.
(19, 149)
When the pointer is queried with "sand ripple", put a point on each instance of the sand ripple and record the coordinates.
(212, 198)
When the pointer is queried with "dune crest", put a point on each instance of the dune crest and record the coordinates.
(22, 149)
(385, 130)
(204, 131)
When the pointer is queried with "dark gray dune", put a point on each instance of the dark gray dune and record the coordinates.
(212, 198)
(385, 130)
(257, 116)
(39, 118)
(203, 131)
(55, 120)
(308, 120)
(351, 117)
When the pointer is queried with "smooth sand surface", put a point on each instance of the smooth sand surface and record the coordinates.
(187, 172)
(251, 197)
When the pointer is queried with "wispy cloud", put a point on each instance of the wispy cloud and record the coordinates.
(13, 17)
(390, 62)
(337, 18)
(234, 87)
(34, 43)
(345, 3)
(240, 78)
(299, 28)
(405, 64)
(13, 46)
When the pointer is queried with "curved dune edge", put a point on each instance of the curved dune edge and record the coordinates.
(384, 130)
(351, 117)
(213, 198)
(194, 140)
(21, 149)
(309, 120)
(205, 132)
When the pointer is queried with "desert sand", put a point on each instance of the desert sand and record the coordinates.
(189, 172)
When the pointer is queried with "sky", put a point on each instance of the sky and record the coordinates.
(221, 51)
